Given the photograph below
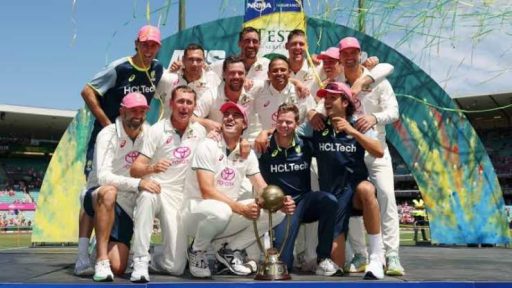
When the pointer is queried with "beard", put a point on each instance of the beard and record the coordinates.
(134, 124)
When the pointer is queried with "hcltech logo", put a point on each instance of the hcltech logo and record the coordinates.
(259, 5)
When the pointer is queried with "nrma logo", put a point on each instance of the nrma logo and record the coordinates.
(259, 5)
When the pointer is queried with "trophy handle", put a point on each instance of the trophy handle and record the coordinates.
(286, 234)
(257, 233)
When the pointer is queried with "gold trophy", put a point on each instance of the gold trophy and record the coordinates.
(272, 268)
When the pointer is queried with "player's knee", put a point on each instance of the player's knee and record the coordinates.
(366, 193)
(221, 214)
(118, 268)
(146, 197)
(329, 201)
(107, 195)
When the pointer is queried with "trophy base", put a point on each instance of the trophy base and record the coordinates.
(272, 271)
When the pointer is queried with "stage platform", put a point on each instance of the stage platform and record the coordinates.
(425, 267)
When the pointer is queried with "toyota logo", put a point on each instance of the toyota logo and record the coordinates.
(227, 174)
(131, 156)
(181, 152)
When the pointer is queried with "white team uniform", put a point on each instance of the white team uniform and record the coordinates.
(164, 142)
(209, 107)
(204, 87)
(114, 154)
(212, 221)
(258, 70)
(381, 102)
(306, 75)
(268, 99)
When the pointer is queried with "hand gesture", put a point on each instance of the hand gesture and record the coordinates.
(149, 185)
(161, 166)
(341, 125)
(288, 205)
(250, 211)
(365, 123)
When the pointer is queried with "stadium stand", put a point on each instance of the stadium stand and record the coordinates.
(28, 137)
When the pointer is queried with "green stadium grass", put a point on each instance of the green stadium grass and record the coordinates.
(15, 240)
(20, 240)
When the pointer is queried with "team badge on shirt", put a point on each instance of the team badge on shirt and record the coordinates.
(274, 153)
(258, 67)
(122, 144)
(130, 157)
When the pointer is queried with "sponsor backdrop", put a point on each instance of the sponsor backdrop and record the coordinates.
(447, 159)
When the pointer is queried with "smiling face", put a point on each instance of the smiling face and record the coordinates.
(286, 123)
(296, 48)
(335, 104)
(193, 63)
(233, 122)
(331, 67)
(234, 76)
(146, 51)
(133, 118)
(182, 106)
(278, 74)
(249, 45)
(350, 57)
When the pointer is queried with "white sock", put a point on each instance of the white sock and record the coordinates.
(83, 247)
(375, 243)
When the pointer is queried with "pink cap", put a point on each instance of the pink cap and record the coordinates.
(134, 99)
(149, 33)
(238, 107)
(331, 52)
(336, 88)
(349, 42)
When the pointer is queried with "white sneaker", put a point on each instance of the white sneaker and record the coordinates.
(375, 268)
(83, 267)
(140, 270)
(357, 264)
(393, 266)
(198, 264)
(327, 267)
(102, 271)
(234, 260)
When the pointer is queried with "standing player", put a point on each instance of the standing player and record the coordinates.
(379, 108)
(192, 75)
(103, 94)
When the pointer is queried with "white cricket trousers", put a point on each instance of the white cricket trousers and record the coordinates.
(213, 222)
(164, 206)
(381, 175)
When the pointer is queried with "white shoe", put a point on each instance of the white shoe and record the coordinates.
(393, 266)
(198, 264)
(234, 260)
(375, 268)
(357, 264)
(102, 271)
(83, 267)
(140, 270)
(327, 267)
